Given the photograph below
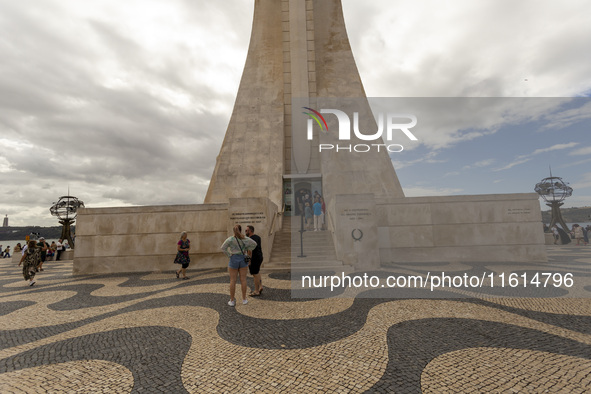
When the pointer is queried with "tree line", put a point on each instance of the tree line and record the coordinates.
(570, 215)
(13, 233)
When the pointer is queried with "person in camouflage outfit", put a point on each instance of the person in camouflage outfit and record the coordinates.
(30, 260)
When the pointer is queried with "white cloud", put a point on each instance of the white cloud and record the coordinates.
(554, 147)
(525, 158)
(563, 119)
(480, 164)
(513, 164)
(576, 163)
(430, 158)
(452, 173)
(583, 183)
(422, 191)
(581, 151)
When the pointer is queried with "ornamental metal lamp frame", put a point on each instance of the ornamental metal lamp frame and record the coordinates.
(66, 210)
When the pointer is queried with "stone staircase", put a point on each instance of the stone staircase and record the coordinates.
(318, 249)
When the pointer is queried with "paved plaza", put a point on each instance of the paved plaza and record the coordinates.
(151, 332)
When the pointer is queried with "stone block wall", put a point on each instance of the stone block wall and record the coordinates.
(479, 228)
(143, 239)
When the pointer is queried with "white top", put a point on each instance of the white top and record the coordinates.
(230, 245)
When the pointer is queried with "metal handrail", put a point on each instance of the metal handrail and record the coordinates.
(332, 229)
(272, 230)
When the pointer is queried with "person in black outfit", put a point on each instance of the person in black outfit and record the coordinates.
(255, 262)
(44, 246)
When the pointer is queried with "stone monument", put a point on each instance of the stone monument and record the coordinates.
(299, 50)
(299, 59)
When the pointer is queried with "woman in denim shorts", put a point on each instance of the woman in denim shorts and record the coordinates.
(236, 248)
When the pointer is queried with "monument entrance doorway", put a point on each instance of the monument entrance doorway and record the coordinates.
(296, 192)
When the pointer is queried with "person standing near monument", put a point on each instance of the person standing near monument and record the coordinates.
(52, 250)
(30, 259)
(317, 208)
(323, 213)
(236, 247)
(300, 203)
(44, 246)
(309, 215)
(578, 233)
(556, 234)
(182, 256)
(255, 262)
(59, 249)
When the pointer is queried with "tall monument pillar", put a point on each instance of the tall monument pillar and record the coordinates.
(250, 162)
(299, 55)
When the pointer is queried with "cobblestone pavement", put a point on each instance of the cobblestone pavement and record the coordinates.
(151, 332)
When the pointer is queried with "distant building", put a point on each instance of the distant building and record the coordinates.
(5, 224)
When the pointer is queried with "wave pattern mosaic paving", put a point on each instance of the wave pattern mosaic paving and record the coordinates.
(154, 333)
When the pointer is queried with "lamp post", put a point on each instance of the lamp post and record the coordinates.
(302, 231)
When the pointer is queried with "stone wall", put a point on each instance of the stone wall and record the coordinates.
(369, 232)
(261, 213)
(144, 239)
(136, 239)
(478, 228)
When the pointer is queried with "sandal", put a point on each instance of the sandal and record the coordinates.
(186, 277)
(177, 274)
(253, 294)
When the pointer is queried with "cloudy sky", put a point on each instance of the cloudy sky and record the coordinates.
(127, 102)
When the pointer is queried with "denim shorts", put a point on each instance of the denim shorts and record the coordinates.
(237, 261)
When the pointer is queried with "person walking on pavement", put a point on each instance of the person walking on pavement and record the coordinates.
(182, 256)
(30, 259)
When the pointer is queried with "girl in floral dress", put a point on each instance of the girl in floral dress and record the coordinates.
(182, 256)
